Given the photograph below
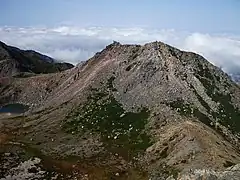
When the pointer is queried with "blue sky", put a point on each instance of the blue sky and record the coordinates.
(74, 30)
(207, 16)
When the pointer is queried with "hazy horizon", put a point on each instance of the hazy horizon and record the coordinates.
(73, 31)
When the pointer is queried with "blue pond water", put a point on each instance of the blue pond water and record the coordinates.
(15, 108)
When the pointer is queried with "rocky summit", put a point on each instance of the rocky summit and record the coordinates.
(129, 112)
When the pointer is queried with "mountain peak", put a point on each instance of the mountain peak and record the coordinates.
(149, 109)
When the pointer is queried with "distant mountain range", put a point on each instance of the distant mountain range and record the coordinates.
(15, 62)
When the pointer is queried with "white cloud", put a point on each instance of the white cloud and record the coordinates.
(74, 44)
(220, 50)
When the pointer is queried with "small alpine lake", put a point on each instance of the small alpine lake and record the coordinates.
(15, 108)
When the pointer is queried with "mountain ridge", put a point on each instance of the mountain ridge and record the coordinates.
(150, 109)
(14, 61)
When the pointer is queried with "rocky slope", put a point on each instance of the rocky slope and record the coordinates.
(231, 173)
(17, 62)
(130, 111)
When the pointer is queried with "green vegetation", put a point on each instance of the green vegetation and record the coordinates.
(206, 78)
(188, 110)
(227, 114)
(204, 72)
(110, 83)
(181, 107)
(203, 103)
(202, 117)
(122, 132)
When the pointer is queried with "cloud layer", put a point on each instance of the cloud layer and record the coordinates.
(74, 44)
